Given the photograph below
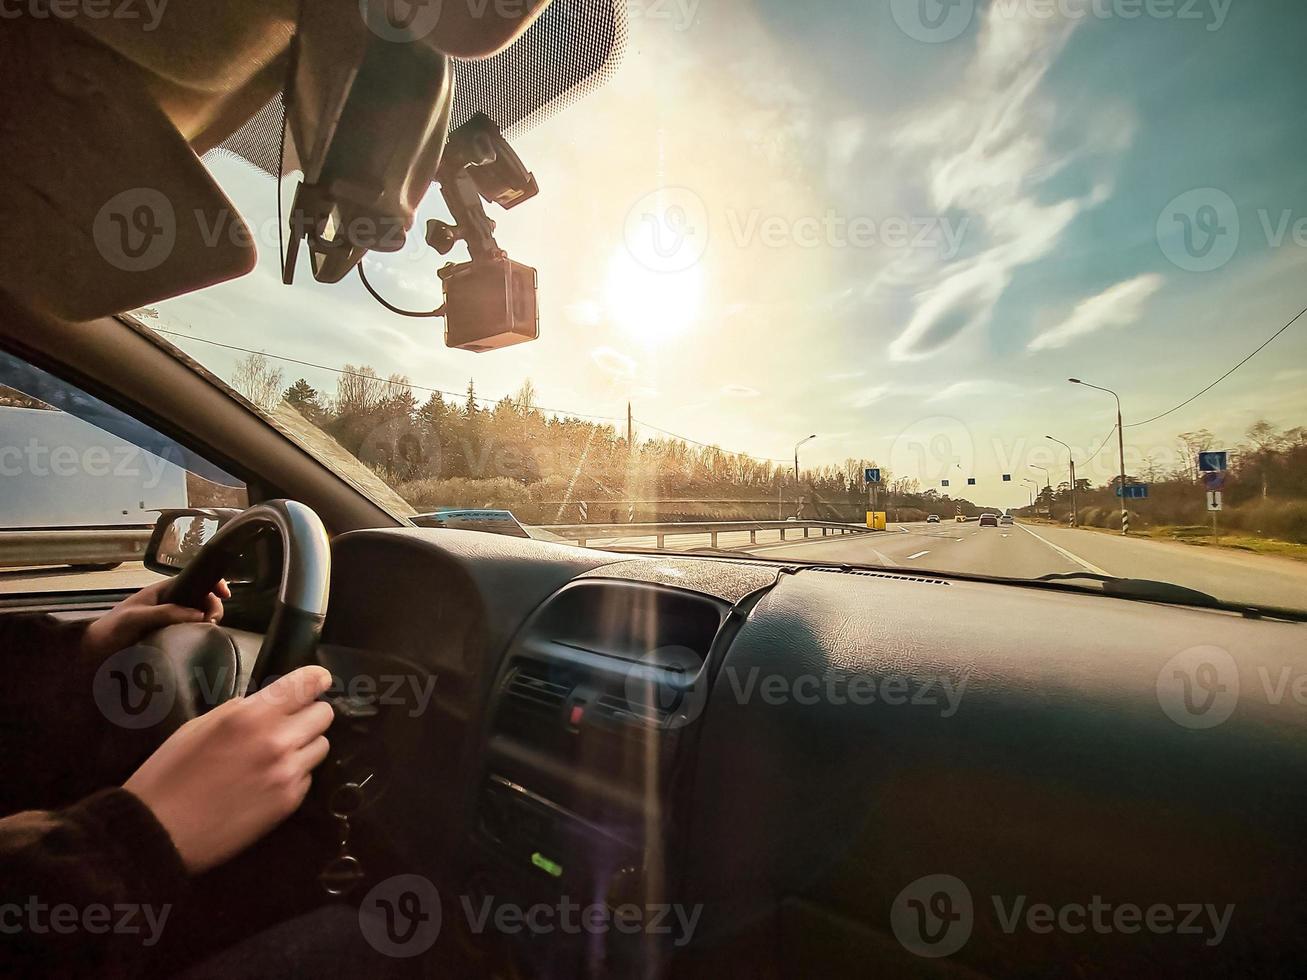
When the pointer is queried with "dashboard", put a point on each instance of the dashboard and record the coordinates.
(770, 758)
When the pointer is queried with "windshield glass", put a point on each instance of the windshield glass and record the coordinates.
(832, 267)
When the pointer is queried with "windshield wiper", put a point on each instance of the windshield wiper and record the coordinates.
(1151, 591)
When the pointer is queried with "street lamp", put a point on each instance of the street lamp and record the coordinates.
(1120, 446)
(1075, 517)
(1048, 482)
(1030, 494)
(796, 455)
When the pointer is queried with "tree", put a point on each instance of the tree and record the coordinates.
(258, 380)
(303, 397)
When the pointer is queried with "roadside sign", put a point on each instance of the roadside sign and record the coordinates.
(1007, 477)
(871, 475)
(1133, 491)
(943, 483)
(1214, 481)
(1214, 500)
(1213, 462)
(971, 481)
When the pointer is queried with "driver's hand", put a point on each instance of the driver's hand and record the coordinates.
(141, 614)
(223, 780)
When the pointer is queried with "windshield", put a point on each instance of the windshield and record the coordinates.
(832, 267)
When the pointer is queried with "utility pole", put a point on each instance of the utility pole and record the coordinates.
(1075, 514)
(1120, 447)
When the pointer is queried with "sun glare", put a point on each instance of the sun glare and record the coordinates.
(654, 307)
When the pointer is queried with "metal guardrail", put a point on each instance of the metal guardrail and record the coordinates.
(581, 533)
(73, 546)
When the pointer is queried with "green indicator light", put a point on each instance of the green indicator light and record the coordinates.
(547, 866)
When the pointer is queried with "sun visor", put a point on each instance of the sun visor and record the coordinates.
(106, 208)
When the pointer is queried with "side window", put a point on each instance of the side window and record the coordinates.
(82, 483)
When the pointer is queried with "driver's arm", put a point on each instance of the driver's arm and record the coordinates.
(218, 784)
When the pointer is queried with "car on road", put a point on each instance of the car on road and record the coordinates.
(1006, 519)
(989, 520)
(960, 519)
(932, 519)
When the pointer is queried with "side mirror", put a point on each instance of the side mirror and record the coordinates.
(180, 534)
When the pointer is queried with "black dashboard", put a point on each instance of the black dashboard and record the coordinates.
(778, 758)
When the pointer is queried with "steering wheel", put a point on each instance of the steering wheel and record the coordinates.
(206, 664)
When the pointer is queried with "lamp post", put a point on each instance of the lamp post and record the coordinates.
(1075, 516)
(796, 455)
(1048, 483)
(1120, 447)
(1030, 494)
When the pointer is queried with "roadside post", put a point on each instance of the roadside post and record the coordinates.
(875, 519)
(1213, 466)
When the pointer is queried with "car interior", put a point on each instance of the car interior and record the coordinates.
(778, 768)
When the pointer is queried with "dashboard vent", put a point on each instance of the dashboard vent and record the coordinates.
(870, 574)
(620, 711)
(535, 684)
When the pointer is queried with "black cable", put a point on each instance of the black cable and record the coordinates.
(1131, 425)
(363, 277)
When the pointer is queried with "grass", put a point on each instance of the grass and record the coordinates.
(1201, 535)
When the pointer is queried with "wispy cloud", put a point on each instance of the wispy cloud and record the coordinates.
(740, 391)
(1115, 307)
(989, 162)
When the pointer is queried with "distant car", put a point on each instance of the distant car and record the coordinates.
(932, 519)
(463, 519)
(989, 520)
(1006, 519)
(960, 519)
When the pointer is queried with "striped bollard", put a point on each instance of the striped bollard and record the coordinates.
(585, 512)
(1125, 521)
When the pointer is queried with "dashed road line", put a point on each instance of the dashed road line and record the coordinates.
(917, 555)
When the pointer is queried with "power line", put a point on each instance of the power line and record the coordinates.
(440, 391)
(1131, 425)
(1094, 455)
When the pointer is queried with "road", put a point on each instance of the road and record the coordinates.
(1028, 551)
(1015, 551)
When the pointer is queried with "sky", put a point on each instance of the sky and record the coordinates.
(898, 224)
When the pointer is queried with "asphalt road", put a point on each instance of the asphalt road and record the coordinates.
(1015, 551)
(1025, 551)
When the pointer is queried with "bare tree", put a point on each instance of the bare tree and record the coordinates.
(258, 380)
(358, 390)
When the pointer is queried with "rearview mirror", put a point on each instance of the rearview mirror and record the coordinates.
(180, 534)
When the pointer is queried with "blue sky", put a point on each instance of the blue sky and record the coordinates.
(777, 220)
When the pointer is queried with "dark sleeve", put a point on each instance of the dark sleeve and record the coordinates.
(50, 730)
(87, 890)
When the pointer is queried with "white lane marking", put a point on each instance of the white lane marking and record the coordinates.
(1064, 553)
(918, 555)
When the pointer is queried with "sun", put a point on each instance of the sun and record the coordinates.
(653, 307)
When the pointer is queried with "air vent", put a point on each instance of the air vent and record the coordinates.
(620, 711)
(535, 684)
(870, 574)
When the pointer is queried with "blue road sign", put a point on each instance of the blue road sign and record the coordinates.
(943, 483)
(1214, 481)
(971, 481)
(871, 475)
(1007, 477)
(1133, 491)
(1214, 462)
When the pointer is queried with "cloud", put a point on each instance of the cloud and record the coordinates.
(977, 387)
(1115, 307)
(867, 397)
(740, 391)
(613, 363)
(987, 162)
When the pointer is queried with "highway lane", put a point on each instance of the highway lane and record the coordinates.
(129, 575)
